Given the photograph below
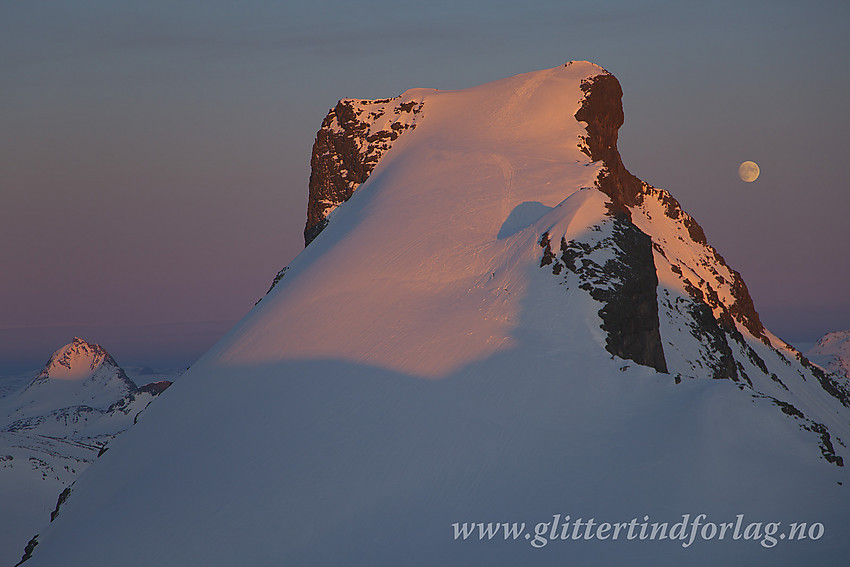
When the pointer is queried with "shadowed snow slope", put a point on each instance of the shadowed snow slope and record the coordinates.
(500, 324)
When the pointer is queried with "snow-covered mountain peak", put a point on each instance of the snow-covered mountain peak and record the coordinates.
(834, 343)
(532, 107)
(424, 228)
(78, 374)
(584, 351)
(76, 361)
(832, 352)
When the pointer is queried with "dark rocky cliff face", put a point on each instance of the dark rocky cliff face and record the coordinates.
(602, 111)
(353, 137)
(630, 309)
(630, 315)
(624, 284)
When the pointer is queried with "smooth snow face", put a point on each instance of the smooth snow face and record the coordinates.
(478, 159)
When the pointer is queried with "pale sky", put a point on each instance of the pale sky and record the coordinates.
(154, 156)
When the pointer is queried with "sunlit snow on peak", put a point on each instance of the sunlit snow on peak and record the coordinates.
(427, 231)
(75, 361)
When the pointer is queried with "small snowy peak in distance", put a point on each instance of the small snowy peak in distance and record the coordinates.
(832, 353)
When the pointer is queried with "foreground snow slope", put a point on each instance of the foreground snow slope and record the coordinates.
(436, 356)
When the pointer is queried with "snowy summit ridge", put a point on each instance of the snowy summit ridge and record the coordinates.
(493, 320)
(79, 360)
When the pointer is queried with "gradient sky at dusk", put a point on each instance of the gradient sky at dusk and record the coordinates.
(154, 156)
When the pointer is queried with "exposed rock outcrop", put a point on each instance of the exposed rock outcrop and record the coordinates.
(602, 111)
(630, 312)
(155, 388)
(353, 137)
(624, 283)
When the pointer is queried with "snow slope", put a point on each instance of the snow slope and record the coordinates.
(435, 356)
(11, 383)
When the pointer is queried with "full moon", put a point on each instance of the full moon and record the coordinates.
(748, 171)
